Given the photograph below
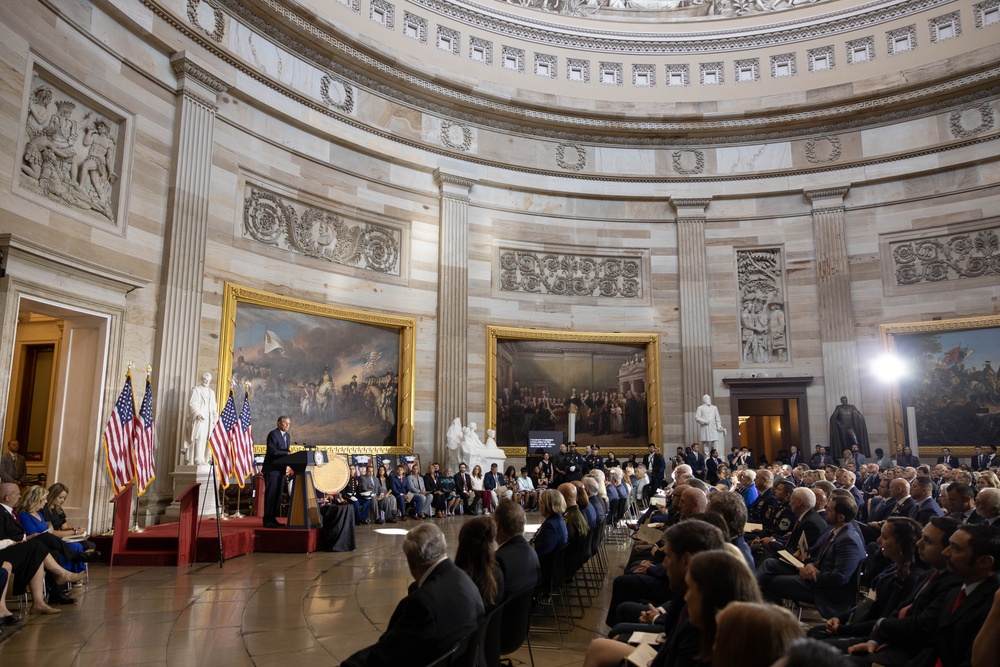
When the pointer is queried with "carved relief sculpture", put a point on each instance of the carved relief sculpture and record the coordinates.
(278, 221)
(71, 152)
(569, 275)
(763, 326)
(947, 257)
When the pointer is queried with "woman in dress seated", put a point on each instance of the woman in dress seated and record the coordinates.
(56, 518)
(480, 490)
(28, 561)
(386, 508)
(449, 492)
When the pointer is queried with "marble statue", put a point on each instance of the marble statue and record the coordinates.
(203, 412)
(491, 442)
(709, 422)
(474, 451)
(453, 441)
(847, 428)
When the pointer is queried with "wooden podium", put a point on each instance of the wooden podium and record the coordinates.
(303, 510)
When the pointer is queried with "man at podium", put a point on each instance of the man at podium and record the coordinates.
(278, 443)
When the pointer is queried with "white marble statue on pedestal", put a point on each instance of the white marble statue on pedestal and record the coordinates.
(475, 452)
(203, 412)
(709, 422)
(453, 441)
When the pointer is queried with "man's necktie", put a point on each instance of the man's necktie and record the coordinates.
(958, 603)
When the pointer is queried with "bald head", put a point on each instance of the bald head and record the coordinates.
(568, 492)
(988, 503)
(9, 494)
(693, 501)
(899, 489)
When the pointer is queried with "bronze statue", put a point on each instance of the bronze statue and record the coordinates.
(847, 428)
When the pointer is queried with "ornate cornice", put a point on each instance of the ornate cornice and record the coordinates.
(826, 193)
(185, 67)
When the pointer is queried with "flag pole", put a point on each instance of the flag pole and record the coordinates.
(218, 510)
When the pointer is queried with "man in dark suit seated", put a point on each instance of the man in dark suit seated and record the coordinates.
(978, 461)
(443, 606)
(807, 524)
(906, 630)
(517, 559)
(947, 458)
(463, 487)
(924, 506)
(820, 458)
(824, 578)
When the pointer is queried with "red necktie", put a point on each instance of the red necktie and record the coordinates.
(958, 602)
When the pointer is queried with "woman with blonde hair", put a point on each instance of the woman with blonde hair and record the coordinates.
(477, 487)
(552, 534)
(988, 480)
(753, 634)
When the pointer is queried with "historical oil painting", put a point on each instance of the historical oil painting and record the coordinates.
(950, 382)
(598, 389)
(343, 376)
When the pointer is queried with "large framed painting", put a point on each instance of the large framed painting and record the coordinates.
(595, 388)
(949, 396)
(345, 377)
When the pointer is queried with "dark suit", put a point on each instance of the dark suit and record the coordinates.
(12, 467)
(836, 558)
(820, 460)
(811, 525)
(952, 638)
(697, 462)
(277, 447)
(795, 459)
(712, 471)
(681, 646)
(11, 529)
(923, 511)
(427, 622)
(905, 461)
(949, 460)
(911, 633)
(978, 462)
(519, 563)
(463, 487)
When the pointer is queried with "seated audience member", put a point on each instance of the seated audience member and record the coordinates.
(747, 488)
(526, 490)
(519, 562)
(432, 483)
(463, 487)
(479, 488)
(475, 556)
(924, 505)
(442, 607)
(29, 561)
(811, 653)
(733, 511)
(421, 496)
(684, 543)
(962, 503)
(898, 543)
(988, 479)
(400, 489)
(986, 648)
(510, 481)
(446, 483)
(829, 568)
(763, 508)
(576, 523)
(806, 528)
(29, 515)
(494, 483)
(352, 493)
(11, 529)
(902, 633)
(388, 509)
(583, 502)
(552, 534)
(988, 506)
(594, 498)
(753, 634)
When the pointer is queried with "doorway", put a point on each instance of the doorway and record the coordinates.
(770, 415)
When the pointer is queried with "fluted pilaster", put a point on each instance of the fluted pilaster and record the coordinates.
(176, 366)
(453, 306)
(696, 327)
(836, 314)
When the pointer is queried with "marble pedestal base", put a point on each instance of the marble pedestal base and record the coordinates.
(485, 459)
(185, 476)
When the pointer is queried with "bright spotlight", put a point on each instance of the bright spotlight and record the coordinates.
(889, 368)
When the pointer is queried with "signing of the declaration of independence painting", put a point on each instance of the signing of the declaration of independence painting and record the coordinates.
(337, 379)
(593, 392)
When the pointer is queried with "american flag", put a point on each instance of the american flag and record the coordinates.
(142, 451)
(370, 364)
(117, 437)
(219, 441)
(243, 442)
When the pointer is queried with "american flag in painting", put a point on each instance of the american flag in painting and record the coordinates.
(145, 465)
(243, 443)
(370, 364)
(117, 437)
(219, 441)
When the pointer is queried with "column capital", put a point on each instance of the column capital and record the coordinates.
(195, 78)
(453, 186)
(690, 210)
(827, 199)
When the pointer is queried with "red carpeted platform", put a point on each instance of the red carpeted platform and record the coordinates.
(157, 545)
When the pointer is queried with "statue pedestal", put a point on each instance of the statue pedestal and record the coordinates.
(184, 476)
(485, 458)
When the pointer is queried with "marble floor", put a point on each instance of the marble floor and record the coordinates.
(260, 609)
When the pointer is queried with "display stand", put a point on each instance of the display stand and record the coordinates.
(187, 536)
(119, 525)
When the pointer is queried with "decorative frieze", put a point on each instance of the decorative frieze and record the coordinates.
(763, 323)
(783, 64)
(688, 162)
(861, 50)
(579, 153)
(74, 150)
(456, 136)
(337, 94)
(275, 220)
(947, 257)
(971, 120)
(901, 40)
(746, 70)
(481, 50)
(565, 274)
(209, 18)
(820, 150)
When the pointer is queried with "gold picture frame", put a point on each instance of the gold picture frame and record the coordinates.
(650, 342)
(352, 330)
(933, 352)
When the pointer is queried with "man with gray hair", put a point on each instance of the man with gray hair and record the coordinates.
(517, 559)
(988, 506)
(443, 607)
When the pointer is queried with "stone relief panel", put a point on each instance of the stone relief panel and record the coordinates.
(74, 149)
(208, 17)
(569, 274)
(279, 221)
(763, 324)
(971, 120)
(667, 10)
(946, 257)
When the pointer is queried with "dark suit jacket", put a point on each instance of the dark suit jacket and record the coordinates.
(712, 470)
(697, 462)
(952, 638)
(950, 460)
(463, 483)
(490, 482)
(519, 563)
(277, 446)
(820, 461)
(812, 525)
(551, 535)
(683, 642)
(10, 529)
(427, 622)
(15, 468)
(905, 461)
(978, 462)
(913, 632)
(837, 563)
(883, 510)
(795, 459)
(923, 513)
